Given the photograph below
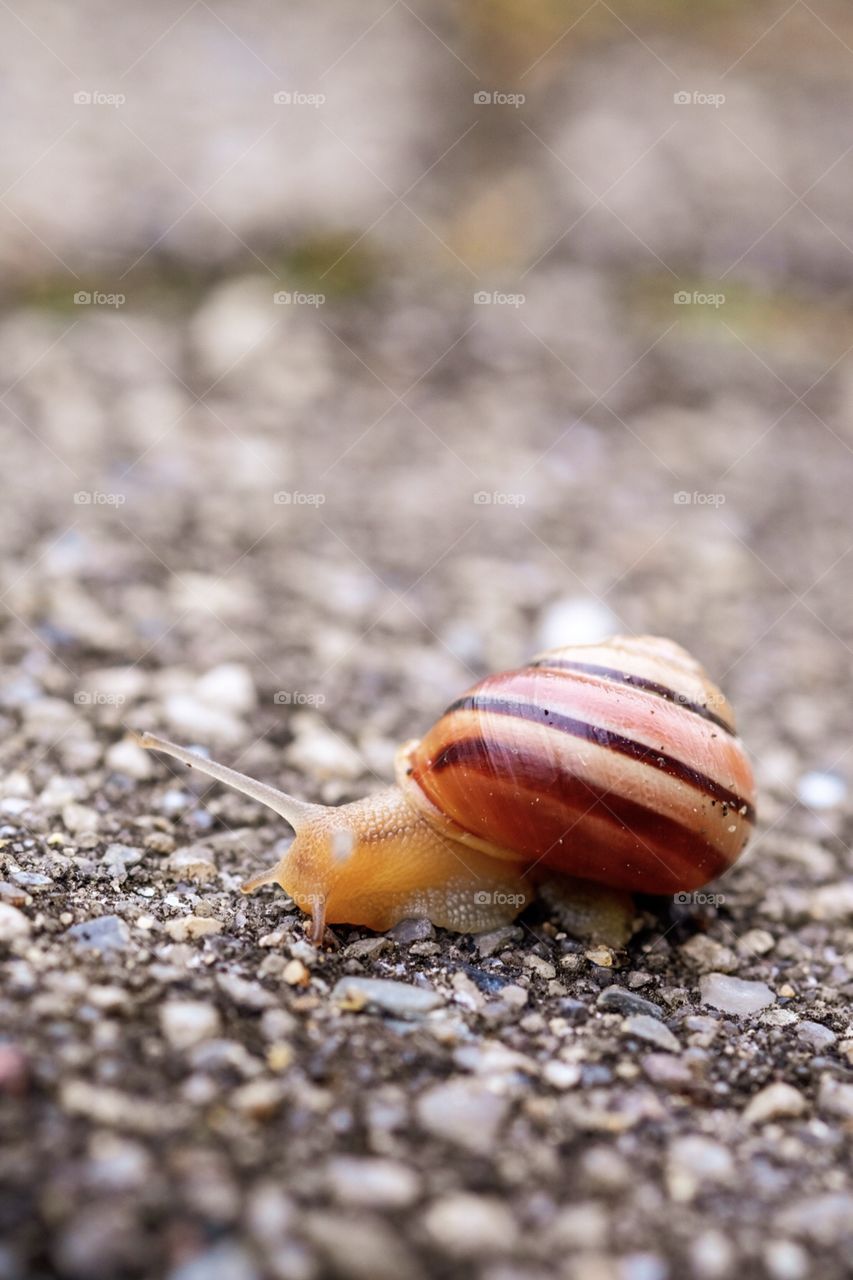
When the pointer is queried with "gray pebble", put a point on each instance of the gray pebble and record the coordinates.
(651, 1029)
(398, 998)
(463, 1112)
(816, 1035)
(621, 1000)
(416, 929)
(104, 933)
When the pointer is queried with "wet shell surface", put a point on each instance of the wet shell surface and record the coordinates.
(616, 762)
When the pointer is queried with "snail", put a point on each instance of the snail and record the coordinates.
(593, 773)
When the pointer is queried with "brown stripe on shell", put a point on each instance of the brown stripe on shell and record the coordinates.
(587, 829)
(601, 737)
(636, 682)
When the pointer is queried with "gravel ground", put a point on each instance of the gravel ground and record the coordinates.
(291, 534)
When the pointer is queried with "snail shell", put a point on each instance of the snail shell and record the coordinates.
(616, 763)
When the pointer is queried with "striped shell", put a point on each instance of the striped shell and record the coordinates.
(615, 762)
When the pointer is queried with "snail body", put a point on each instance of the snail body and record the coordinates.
(615, 765)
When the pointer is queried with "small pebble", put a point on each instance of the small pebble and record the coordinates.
(118, 857)
(372, 1182)
(398, 998)
(835, 1097)
(258, 1099)
(712, 1256)
(816, 1035)
(576, 620)
(467, 1225)
(786, 1260)
(495, 940)
(734, 995)
(229, 687)
(694, 1160)
(706, 954)
(650, 1028)
(667, 1071)
(225, 1261)
(80, 817)
(295, 974)
(104, 933)
(620, 1000)
(756, 942)
(32, 881)
(463, 1112)
(820, 790)
(192, 864)
(13, 923)
(128, 758)
(197, 721)
(417, 929)
(776, 1101)
(188, 928)
(562, 1075)
(186, 1023)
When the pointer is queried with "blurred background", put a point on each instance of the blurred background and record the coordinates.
(406, 332)
(350, 352)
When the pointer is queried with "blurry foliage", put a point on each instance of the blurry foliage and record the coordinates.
(757, 315)
(333, 265)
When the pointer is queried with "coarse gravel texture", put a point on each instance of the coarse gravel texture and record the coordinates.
(291, 534)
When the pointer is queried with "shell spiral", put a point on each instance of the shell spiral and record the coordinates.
(616, 762)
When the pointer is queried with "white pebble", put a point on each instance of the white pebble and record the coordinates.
(821, 790)
(835, 1098)
(468, 1225)
(13, 923)
(187, 928)
(320, 753)
(373, 1182)
(774, 1102)
(228, 687)
(463, 1112)
(126, 757)
(786, 1260)
(191, 718)
(562, 1075)
(186, 1023)
(694, 1160)
(576, 620)
(80, 817)
(734, 995)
